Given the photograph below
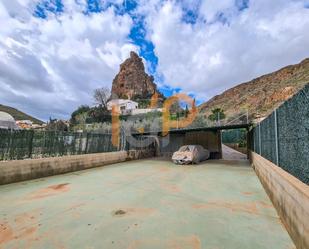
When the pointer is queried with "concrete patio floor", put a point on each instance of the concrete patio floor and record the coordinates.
(149, 204)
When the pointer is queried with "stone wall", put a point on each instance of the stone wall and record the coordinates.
(21, 170)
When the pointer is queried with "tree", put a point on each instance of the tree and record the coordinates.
(56, 125)
(187, 111)
(101, 97)
(83, 109)
(217, 115)
(98, 114)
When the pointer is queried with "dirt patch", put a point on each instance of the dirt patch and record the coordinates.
(119, 212)
(24, 218)
(188, 242)
(58, 186)
(249, 207)
(6, 233)
(247, 193)
(133, 211)
(49, 191)
(22, 228)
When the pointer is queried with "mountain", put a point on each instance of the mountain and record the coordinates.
(261, 95)
(18, 115)
(132, 82)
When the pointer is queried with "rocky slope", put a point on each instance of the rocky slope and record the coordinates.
(262, 95)
(132, 82)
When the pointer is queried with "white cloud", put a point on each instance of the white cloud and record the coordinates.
(50, 66)
(226, 46)
(210, 8)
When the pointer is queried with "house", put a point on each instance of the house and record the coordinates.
(124, 106)
(129, 107)
(144, 111)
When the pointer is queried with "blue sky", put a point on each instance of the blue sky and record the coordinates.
(54, 53)
(137, 33)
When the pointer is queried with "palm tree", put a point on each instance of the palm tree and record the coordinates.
(217, 115)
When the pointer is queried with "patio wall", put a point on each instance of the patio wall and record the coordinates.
(21, 170)
(289, 195)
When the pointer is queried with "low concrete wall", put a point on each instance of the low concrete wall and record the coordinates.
(21, 170)
(289, 195)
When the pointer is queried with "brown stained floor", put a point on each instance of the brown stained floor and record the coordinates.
(149, 204)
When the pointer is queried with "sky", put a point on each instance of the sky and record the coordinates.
(54, 53)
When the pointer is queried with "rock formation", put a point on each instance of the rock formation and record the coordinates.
(132, 82)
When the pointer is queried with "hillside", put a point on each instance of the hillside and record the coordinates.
(18, 115)
(261, 95)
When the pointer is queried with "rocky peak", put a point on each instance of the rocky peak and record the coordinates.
(132, 82)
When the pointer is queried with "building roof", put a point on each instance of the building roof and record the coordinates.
(121, 101)
(7, 121)
(4, 116)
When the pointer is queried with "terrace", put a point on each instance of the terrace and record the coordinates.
(143, 204)
(150, 203)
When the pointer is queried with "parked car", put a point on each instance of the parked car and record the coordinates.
(189, 154)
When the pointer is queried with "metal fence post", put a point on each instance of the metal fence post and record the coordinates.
(31, 143)
(276, 138)
(247, 116)
(260, 142)
(86, 149)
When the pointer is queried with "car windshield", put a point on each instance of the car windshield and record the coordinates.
(186, 148)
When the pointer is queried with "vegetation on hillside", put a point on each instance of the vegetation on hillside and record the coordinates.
(262, 95)
(216, 115)
(19, 115)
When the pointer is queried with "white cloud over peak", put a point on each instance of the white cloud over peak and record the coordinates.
(49, 66)
(227, 44)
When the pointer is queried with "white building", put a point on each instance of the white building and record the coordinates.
(124, 106)
(129, 107)
(7, 121)
(144, 111)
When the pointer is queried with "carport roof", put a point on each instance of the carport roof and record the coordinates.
(213, 128)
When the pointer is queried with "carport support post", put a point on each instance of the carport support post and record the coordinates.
(220, 144)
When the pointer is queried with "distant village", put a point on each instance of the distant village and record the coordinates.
(132, 89)
(123, 107)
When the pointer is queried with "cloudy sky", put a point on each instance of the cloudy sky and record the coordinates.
(54, 53)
